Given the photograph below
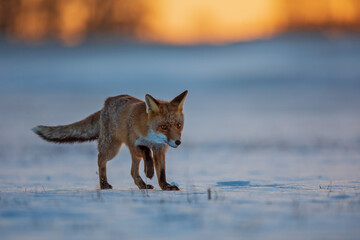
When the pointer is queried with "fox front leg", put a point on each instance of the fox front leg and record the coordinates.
(136, 157)
(159, 159)
(148, 162)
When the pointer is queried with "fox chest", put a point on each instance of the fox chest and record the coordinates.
(152, 140)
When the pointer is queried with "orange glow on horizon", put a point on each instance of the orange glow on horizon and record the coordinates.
(70, 31)
(31, 24)
(174, 21)
(188, 22)
(222, 21)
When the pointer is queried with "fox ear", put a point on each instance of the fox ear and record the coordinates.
(179, 100)
(151, 104)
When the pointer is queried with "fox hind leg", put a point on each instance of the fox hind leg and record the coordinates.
(104, 184)
(106, 153)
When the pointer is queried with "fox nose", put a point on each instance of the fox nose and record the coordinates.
(178, 142)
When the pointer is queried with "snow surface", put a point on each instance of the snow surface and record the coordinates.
(270, 147)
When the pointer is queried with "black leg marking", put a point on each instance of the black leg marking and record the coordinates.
(148, 162)
(162, 178)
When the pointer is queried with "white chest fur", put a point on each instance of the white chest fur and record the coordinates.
(152, 140)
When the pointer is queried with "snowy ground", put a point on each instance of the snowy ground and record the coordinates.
(271, 145)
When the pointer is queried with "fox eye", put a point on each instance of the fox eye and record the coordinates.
(164, 127)
(178, 125)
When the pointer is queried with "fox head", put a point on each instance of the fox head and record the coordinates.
(165, 119)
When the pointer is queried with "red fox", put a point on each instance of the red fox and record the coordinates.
(147, 128)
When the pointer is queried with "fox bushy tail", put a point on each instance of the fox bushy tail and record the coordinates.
(81, 131)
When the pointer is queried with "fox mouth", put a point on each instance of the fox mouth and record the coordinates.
(174, 144)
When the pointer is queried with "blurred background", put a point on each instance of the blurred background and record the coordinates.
(277, 73)
(96, 44)
(271, 118)
(172, 21)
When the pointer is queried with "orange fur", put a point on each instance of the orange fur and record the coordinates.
(145, 127)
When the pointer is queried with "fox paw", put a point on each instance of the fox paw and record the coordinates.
(169, 187)
(105, 186)
(147, 186)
